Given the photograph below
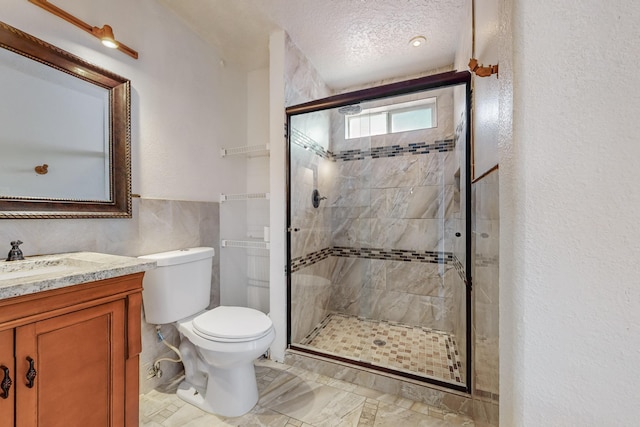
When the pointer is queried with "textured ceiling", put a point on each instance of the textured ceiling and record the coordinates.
(350, 42)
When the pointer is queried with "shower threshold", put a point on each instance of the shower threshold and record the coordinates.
(393, 347)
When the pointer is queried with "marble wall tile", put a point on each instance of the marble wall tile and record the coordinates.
(438, 168)
(419, 278)
(411, 234)
(44, 236)
(487, 237)
(312, 127)
(354, 174)
(351, 287)
(303, 83)
(120, 237)
(313, 223)
(310, 295)
(486, 225)
(210, 236)
(453, 242)
(457, 304)
(393, 172)
(418, 310)
(483, 277)
(433, 201)
(352, 198)
(355, 232)
(351, 270)
(361, 299)
(313, 234)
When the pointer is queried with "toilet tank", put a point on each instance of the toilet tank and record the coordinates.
(179, 286)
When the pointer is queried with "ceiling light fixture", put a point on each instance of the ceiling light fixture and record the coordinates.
(417, 41)
(105, 34)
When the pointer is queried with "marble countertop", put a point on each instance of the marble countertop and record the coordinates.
(46, 272)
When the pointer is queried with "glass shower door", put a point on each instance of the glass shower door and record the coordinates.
(377, 227)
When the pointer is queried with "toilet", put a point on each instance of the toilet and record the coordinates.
(217, 346)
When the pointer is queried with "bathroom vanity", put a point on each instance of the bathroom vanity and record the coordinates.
(70, 340)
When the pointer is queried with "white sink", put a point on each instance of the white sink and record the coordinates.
(35, 272)
(52, 265)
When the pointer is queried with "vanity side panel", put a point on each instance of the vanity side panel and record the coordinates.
(134, 348)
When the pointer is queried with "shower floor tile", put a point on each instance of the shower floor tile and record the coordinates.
(411, 349)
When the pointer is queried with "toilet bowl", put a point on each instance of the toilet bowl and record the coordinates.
(218, 346)
(219, 373)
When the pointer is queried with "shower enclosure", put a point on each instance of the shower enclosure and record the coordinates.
(378, 227)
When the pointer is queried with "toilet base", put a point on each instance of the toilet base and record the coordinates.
(230, 392)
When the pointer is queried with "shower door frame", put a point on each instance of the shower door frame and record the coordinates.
(436, 81)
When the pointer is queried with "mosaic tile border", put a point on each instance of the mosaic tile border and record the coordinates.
(310, 259)
(302, 140)
(396, 150)
(441, 146)
(394, 254)
(457, 264)
(432, 257)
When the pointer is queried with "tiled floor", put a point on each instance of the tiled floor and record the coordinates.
(291, 397)
(412, 349)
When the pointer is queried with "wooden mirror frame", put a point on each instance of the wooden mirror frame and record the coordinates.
(119, 203)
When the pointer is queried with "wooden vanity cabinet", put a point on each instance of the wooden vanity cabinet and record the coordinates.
(7, 373)
(72, 354)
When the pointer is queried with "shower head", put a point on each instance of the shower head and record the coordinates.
(349, 110)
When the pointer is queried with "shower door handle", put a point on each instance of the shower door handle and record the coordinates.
(290, 229)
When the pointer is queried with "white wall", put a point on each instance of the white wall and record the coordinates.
(569, 291)
(278, 203)
(185, 104)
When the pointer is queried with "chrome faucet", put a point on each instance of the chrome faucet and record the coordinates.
(15, 254)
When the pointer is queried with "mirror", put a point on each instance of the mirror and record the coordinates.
(64, 133)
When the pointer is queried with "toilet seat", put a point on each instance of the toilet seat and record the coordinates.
(232, 324)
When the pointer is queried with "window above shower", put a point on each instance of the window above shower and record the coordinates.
(393, 118)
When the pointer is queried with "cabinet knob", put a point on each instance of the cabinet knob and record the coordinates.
(31, 373)
(6, 382)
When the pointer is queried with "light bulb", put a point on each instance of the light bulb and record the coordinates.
(417, 41)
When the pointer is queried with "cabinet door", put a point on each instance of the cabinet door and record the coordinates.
(79, 363)
(7, 362)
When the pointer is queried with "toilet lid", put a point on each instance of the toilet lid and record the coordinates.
(232, 323)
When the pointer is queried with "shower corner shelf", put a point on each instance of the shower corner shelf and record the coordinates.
(250, 244)
(249, 149)
(244, 196)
